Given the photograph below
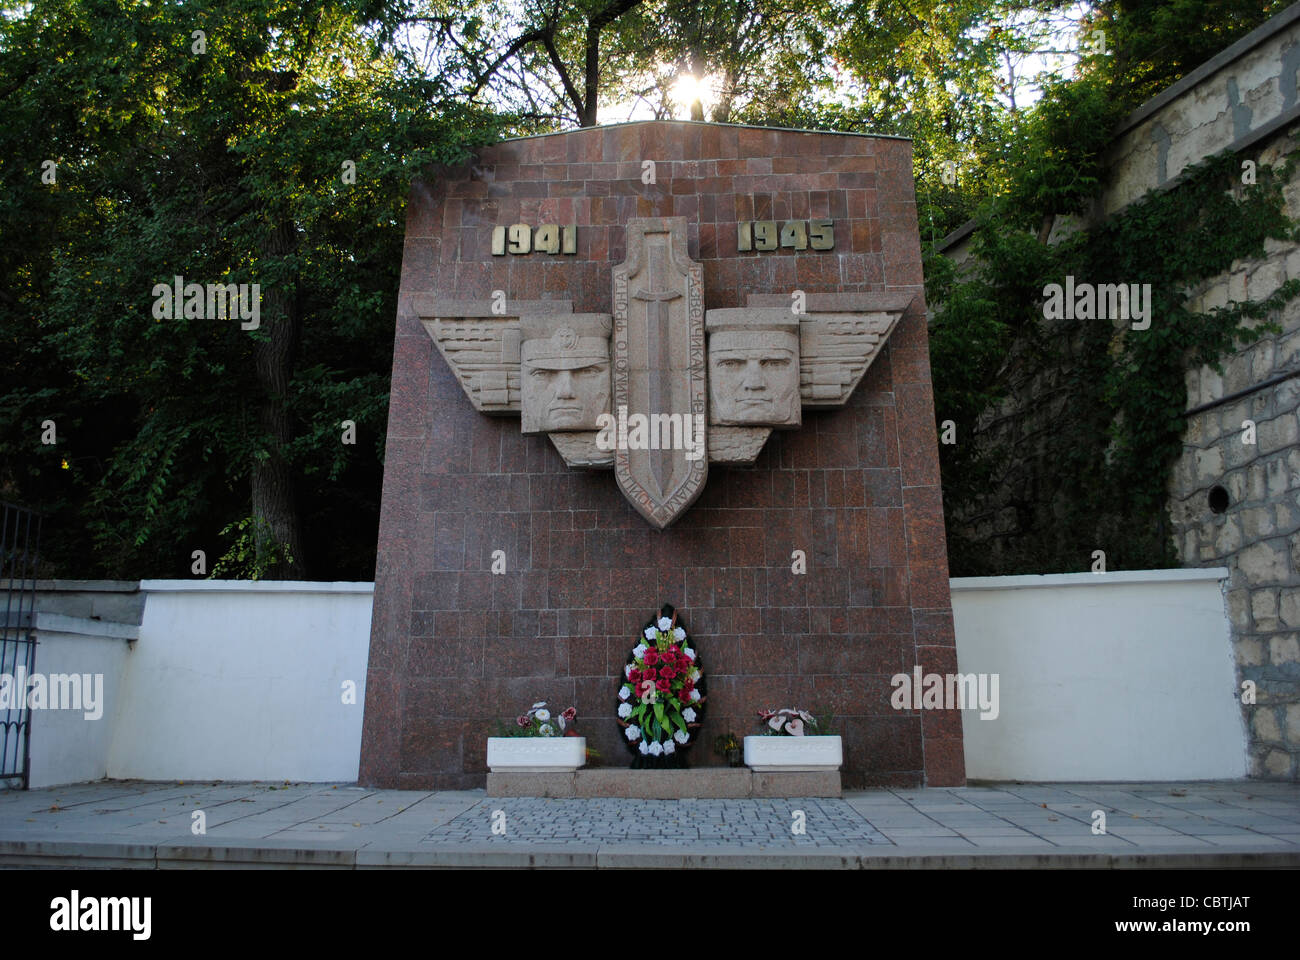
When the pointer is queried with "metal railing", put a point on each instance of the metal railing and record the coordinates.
(20, 541)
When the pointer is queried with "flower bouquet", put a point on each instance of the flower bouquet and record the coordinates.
(788, 722)
(793, 740)
(538, 722)
(661, 696)
(538, 742)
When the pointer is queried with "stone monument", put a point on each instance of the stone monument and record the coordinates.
(731, 320)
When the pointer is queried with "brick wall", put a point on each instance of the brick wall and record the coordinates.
(455, 648)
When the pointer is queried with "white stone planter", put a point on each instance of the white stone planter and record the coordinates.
(779, 754)
(536, 754)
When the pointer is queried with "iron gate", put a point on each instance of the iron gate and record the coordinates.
(20, 540)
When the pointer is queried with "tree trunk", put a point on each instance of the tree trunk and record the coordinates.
(591, 77)
(275, 507)
(697, 71)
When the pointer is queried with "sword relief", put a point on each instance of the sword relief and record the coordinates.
(659, 370)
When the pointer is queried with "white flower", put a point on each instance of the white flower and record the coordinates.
(543, 715)
(627, 671)
(639, 650)
(560, 721)
(624, 692)
(644, 748)
(649, 633)
(625, 710)
(679, 633)
(681, 736)
(546, 730)
(688, 653)
(632, 732)
(695, 673)
(539, 704)
(657, 749)
(689, 715)
(695, 695)
(669, 747)
(664, 623)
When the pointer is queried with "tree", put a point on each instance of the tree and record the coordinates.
(542, 62)
(222, 158)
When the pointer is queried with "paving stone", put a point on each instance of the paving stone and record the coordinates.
(112, 824)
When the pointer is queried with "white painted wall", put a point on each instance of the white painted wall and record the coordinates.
(66, 745)
(1116, 676)
(1121, 676)
(242, 680)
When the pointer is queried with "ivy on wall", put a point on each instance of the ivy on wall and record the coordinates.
(1090, 467)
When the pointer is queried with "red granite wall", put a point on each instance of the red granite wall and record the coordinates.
(454, 647)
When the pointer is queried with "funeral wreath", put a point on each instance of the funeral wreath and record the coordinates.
(661, 696)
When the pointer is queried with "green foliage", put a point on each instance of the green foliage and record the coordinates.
(1156, 42)
(1058, 152)
(253, 554)
(1099, 476)
(221, 166)
(1095, 474)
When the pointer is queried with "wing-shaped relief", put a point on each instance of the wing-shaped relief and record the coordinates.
(647, 390)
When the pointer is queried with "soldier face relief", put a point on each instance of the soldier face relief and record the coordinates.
(566, 399)
(754, 378)
(564, 381)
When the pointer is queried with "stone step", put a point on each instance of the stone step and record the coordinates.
(702, 783)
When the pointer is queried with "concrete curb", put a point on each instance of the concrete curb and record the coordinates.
(78, 854)
(65, 852)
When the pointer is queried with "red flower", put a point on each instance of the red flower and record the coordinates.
(668, 670)
(662, 685)
(635, 676)
(649, 673)
(524, 721)
(570, 715)
(651, 657)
